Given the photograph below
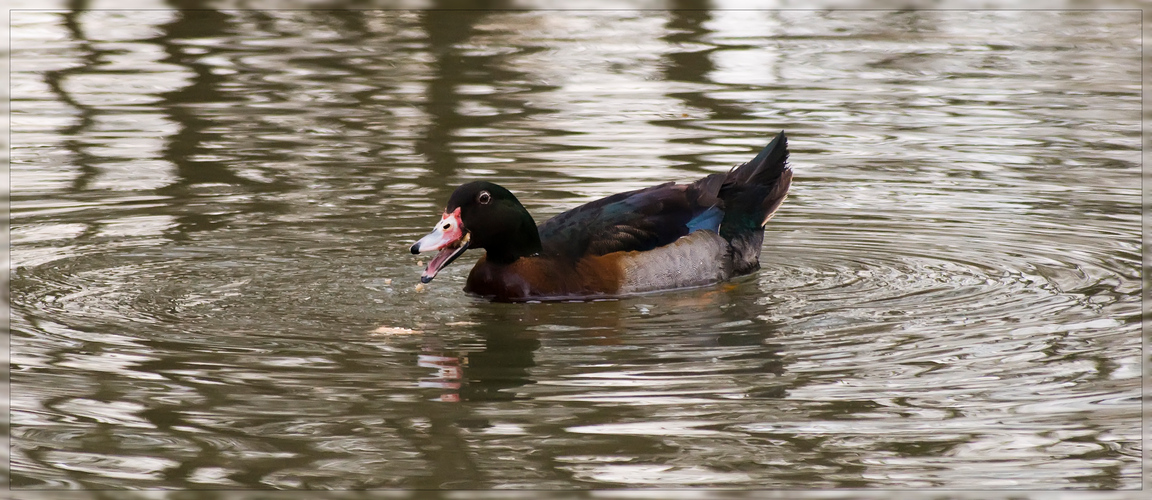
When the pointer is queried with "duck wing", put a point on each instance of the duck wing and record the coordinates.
(736, 205)
(638, 220)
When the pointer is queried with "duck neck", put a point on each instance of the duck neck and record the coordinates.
(522, 239)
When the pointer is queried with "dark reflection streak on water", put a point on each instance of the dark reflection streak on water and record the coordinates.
(91, 59)
(185, 149)
(357, 33)
(451, 68)
(442, 445)
(293, 452)
(204, 88)
(493, 373)
(170, 417)
(85, 161)
(693, 66)
(444, 31)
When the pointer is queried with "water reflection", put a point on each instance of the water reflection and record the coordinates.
(616, 371)
(211, 211)
(491, 374)
(691, 62)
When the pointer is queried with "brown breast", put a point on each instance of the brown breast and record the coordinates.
(530, 278)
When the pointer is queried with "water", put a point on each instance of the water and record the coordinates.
(211, 286)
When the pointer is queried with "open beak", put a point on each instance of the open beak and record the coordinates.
(449, 238)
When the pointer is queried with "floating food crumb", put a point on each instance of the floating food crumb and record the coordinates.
(460, 323)
(419, 287)
(394, 330)
(387, 281)
(420, 263)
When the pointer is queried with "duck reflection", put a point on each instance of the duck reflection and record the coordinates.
(510, 335)
(484, 375)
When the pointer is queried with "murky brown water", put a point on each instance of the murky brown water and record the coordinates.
(211, 215)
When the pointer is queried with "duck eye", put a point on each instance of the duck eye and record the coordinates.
(484, 197)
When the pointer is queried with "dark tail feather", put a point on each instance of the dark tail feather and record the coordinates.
(766, 166)
(751, 193)
(776, 196)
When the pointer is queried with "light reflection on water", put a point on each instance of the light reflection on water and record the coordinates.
(211, 214)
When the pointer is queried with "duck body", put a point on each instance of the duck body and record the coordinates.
(659, 238)
(695, 260)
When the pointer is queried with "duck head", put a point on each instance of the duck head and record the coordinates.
(480, 215)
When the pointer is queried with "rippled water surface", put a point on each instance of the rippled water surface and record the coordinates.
(211, 285)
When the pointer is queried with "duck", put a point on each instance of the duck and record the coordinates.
(663, 237)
